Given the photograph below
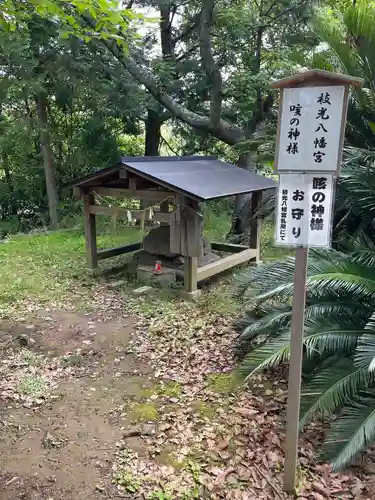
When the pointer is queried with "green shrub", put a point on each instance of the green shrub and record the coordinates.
(339, 341)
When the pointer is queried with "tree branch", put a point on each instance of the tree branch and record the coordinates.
(225, 131)
(167, 45)
(187, 30)
(212, 71)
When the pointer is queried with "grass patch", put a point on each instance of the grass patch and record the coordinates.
(216, 227)
(73, 360)
(225, 383)
(32, 359)
(144, 412)
(170, 390)
(47, 267)
(160, 495)
(268, 249)
(32, 385)
(127, 481)
(205, 410)
(167, 389)
(51, 269)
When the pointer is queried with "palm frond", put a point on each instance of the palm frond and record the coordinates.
(352, 432)
(268, 355)
(331, 388)
(365, 352)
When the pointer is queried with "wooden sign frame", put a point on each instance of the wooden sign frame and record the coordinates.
(312, 78)
(316, 78)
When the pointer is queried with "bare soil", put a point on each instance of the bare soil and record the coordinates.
(64, 449)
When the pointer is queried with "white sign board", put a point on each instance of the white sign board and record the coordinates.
(304, 209)
(310, 129)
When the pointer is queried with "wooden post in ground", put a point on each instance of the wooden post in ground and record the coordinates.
(309, 141)
(90, 231)
(256, 224)
(191, 274)
(295, 368)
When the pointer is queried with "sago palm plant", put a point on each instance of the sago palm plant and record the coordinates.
(339, 341)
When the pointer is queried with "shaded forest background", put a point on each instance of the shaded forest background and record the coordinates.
(83, 82)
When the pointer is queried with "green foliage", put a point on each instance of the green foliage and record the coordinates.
(144, 412)
(46, 267)
(224, 383)
(127, 480)
(349, 35)
(339, 341)
(160, 495)
(89, 112)
(32, 385)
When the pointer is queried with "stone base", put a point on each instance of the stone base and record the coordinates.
(143, 290)
(146, 274)
(190, 296)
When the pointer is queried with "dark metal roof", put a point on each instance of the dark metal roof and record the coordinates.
(201, 177)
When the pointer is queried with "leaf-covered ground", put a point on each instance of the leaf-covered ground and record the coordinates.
(104, 395)
(210, 436)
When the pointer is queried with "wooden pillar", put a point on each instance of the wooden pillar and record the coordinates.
(90, 231)
(164, 208)
(256, 224)
(185, 239)
(191, 274)
(295, 368)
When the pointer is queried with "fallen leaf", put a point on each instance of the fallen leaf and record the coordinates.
(222, 445)
(246, 412)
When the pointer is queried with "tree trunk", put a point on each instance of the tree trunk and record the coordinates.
(152, 142)
(12, 207)
(242, 214)
(46, 149)
(153, 133)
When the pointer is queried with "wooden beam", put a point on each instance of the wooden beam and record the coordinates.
(256, 224)
(226, 263)
(295, 368)
(90, 231)
(127, 193)
(136, 214)
(164, 209)
(102, 210)
(190, 274)
(107, 172)
(113, 252)
(228, 247)
(133, 184)
(123, 174)
(77, 192)
(163, 218)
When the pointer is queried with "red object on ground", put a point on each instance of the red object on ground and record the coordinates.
(157, 269)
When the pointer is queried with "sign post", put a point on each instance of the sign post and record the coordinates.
(310, 136)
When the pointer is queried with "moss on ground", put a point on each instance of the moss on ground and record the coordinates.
(225, 383)
(205, 410)
(169, 457)
(170, 389)
(162, 389)
(144, 412)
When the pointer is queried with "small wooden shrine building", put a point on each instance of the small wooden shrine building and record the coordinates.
(177, 185)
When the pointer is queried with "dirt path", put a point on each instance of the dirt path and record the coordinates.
(64, 450)
(199, 433)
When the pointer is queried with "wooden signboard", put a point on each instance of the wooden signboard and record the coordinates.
(310, 135)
